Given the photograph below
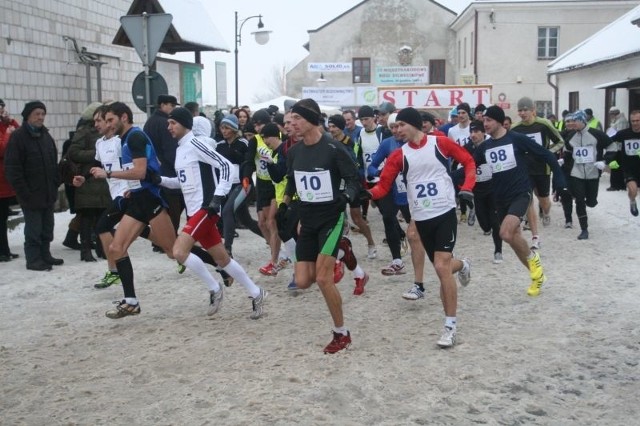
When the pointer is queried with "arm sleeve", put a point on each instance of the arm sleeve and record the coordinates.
(14, 171)
(462, 156)
(392, 167)
(170, 182)
(555, 137)
(248, 165)
(548, 157)
(207, 155)
(290, 189)
(348, 172)
(278, 170)
(378, 158)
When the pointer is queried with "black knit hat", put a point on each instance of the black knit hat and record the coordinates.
(307, 109)
(30, 106)
(182, 116)
(338, 121)
(270, 130)
(261, 116)
(494, 112)
(365, 111)
(410, 116)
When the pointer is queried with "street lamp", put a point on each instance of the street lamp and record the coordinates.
(261, 36)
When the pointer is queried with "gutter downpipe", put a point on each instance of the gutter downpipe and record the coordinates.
(556, 95)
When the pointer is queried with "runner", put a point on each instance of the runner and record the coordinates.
(629, 158)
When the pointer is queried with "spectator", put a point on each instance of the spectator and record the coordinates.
(7, 194)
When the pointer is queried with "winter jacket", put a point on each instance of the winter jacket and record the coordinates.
(6, 190)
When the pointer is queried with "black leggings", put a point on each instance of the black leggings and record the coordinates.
(392, 230)
(488, 218)
(236, 205)
(585, 192)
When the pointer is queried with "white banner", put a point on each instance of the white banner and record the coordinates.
(435, 96)
(402, 75)
(329, 67)
(333, 96)
(366, 95)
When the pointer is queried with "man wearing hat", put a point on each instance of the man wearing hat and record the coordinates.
(316, 167)
(506, 153)
(165, 146)
(382, 115)
(31, 167)
(431, 195)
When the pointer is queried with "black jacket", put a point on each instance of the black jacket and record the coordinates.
(31, 167)
(164, 144)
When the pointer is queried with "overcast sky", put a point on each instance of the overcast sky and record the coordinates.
(289, 20)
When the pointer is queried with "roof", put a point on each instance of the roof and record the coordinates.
(191, 29)
(618, 40)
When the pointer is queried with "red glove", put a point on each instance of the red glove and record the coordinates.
(246, 185)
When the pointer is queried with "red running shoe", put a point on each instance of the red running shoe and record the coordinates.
(269, 270)
(338, 271)
(339, 342)
(360, 283)
(349, 258)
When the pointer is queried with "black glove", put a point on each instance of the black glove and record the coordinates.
(364, 194)
(216, 205)
(153, 177)
(341, 202)
(466, 197)
(281, 215)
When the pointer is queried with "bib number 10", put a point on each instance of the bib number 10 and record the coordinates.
(430, 189)
(311, 182)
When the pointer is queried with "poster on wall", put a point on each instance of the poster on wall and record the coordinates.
(192, 83)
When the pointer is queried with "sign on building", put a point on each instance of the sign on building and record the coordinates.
(366, 95)
(418, 75)
(192, 83)
(435, 96)
(333, 96)
(329, 67)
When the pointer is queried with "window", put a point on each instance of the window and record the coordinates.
(547, 42)
(437, 71)
(362, 70)
(543, 108)
(574, 101)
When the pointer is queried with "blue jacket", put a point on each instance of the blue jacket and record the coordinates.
(387, 146)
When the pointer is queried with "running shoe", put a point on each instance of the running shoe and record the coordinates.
(372, 253)
(568, 225)
(339, 342)
(448, 338)
(546, 220)
(634, 208)
(360, 283)
(338, 271)
(535, 243)
(215, 300)
(404, 246)
(283, 262)
(257, 304)
(349, 258)
(471, 220)
(535, 267)
(463, 217)
(584, 235)
(394, 269)
(497, 258)
(123, 309)
(534, 288)
(486, 233)
(464, 275)
(292, 285)
(228, 281)
(269, 270)
(414, 293)
(109, 279)
(181, 268)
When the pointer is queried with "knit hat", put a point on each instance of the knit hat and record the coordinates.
(270, 130)
(167, 99)
(393, 117)
(426, 116)
(261, 116)
(453, 112)
(613, 110)
(278, 118)
(525, 103)
(465, 107)
(476, 125)
(480, 108)
(338, 121)
(182, 116)
(230, 120)
(30, 106)
(494, 112)
(410, 116)
(579, 116)
(90, 110)
(307, 109)
(201, 126)
(365, 111)
(249, 128)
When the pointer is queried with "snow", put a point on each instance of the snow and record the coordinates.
(193, 23)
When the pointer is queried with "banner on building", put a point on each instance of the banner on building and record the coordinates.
(333, 96)
(366, 95)
(192, 83)
(435, 96)
(402, 75)
(329, 67)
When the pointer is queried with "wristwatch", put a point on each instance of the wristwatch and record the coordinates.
(109, 174)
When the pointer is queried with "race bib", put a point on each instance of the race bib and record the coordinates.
(428, 196)
(400, 185)
(501, 158)
(187, 180)
(132, 184)
(483, 173)
(314, 187)
(536, 137)
(632, 147)
(584, 154)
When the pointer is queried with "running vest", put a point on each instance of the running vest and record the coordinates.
(152, 163)
(261, 165)
(369, 144)
(108, 153)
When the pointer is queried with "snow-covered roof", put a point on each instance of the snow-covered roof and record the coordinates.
(617, 40)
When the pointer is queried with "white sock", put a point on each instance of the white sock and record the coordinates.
(239, 274)
(341, 330)
(340, 254)
(450, 322)
(195, 264)
(397, 261)
(131, 300)
(290, 245)
(358, 272)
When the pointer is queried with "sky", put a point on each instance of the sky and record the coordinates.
(289, 20)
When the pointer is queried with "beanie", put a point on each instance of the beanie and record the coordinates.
(249, 128)
(392, 119)
(338, 121)
(465, 107)
(495, 112)
(476, 125)
(410, 116)
(230, 120)
(365, 111)
(270, 130)
(278, 118)
(426, 116)
(261, 116)
(307, 109)
(453, 112)
(525, 103)
(30, 106)
(182, 116)
(90, 110)
(201, 126)
(579, 116)
(480, 108)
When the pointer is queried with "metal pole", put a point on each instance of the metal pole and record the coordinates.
(99, 80)
(88, 83)
(236, 58)
(145, 62)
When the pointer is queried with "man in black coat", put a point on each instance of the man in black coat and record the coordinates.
(31, 168)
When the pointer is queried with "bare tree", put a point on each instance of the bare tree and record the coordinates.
(275, 84)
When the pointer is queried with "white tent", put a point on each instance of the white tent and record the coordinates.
(280, 101)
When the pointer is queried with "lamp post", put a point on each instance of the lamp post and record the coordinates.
(261, 36)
